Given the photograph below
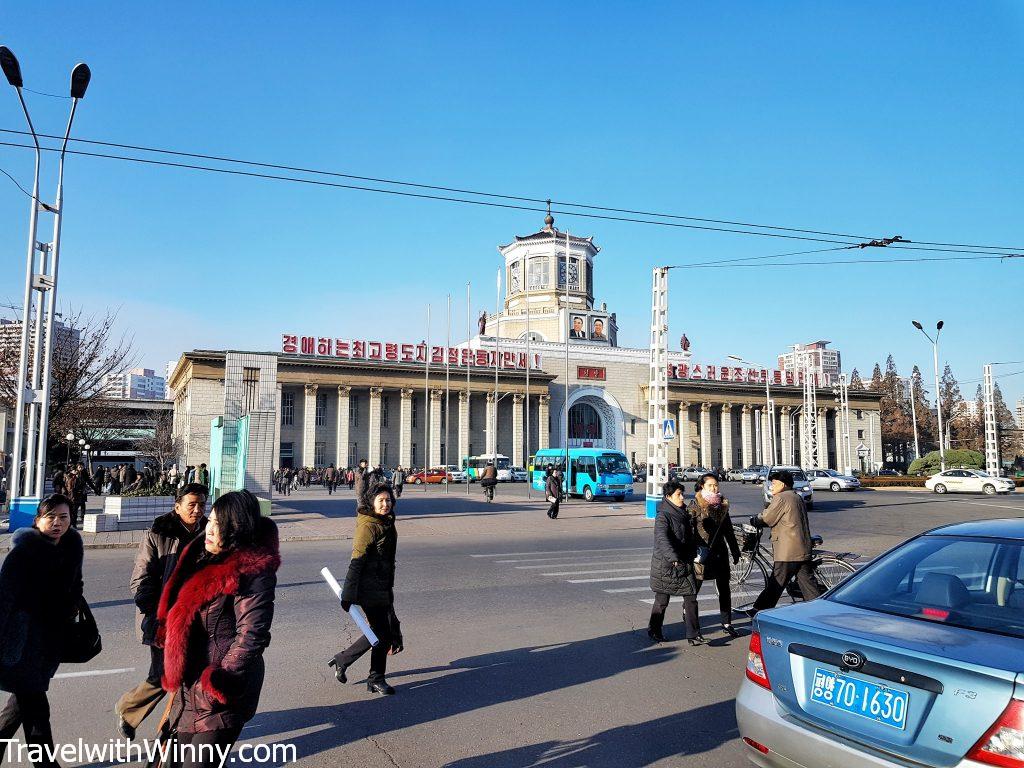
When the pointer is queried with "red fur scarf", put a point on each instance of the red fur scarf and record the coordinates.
(189, 591)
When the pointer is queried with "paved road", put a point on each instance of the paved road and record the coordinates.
(525, 641)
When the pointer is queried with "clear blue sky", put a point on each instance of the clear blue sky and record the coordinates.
(868, 118)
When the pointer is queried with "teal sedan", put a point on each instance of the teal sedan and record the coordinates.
(917, 659)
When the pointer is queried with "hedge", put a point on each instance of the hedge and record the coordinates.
(889, 481)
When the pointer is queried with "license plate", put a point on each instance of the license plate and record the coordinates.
(860, 697)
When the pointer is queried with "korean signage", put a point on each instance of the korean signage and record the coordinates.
(729, 373)
(393, 352)
(590, 373)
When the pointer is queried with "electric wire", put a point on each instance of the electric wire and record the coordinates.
(973, 257)
(17, 183)
(44, 93)
(459, 190)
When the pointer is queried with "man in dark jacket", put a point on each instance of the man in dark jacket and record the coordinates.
(672, 572)
(154, 564)
(791, 543)
(331, 479)
(360, 481)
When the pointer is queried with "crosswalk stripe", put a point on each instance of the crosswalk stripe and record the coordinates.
(581, 562)
(608, 578)
(603, 570)
(627, 589)
(563, 552)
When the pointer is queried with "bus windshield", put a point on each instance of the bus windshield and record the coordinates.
(612, 464)
(503, 462)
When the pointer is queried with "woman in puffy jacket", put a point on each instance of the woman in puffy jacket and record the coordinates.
(214, 621)
(709, 512)
(672, 566)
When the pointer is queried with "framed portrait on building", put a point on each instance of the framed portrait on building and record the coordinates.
(598, 329)
(577, 327)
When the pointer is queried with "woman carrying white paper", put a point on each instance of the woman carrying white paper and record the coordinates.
(370, 584)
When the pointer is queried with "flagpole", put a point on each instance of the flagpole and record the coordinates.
(447, 394)
(529, 472)
(426, 404)
(469, 403)
(565, 433)
(497, 354)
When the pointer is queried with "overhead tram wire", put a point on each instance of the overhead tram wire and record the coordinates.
(508, 206)
(438, 188)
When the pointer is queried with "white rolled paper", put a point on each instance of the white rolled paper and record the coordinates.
(354, 611)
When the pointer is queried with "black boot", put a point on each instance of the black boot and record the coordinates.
(379, 686)
(654, 627)
(339, 670)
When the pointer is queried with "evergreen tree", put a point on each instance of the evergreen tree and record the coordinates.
(953, 409)
(855, 380)
(896, 425)
(876, 379)
(1011, 442)
(926, 429)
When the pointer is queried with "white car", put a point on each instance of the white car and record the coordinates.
(968, 481)
(735, 474)
(518, 474)
(830, 480)
(455, 474)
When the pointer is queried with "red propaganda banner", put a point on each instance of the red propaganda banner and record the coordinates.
(394, 352)
(725, 373)
(590, 374)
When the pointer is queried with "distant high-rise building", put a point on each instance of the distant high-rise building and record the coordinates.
(168, 370)
(68, 341)
(827, 362)
(136, 384)
(1020, 414)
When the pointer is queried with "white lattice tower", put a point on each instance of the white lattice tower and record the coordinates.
(657, 394)
(809, 444)
(991, 433)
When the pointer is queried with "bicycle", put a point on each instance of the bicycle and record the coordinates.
(748, 577)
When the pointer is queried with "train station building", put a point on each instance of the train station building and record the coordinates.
(551, 352)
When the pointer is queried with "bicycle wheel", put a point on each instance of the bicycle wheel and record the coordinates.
(832, 570)
(747, 580)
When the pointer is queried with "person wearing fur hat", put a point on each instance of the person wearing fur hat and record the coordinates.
(709, 511)
(370, 584)
(40, 589)
(213, 622)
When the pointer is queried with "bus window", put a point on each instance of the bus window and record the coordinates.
(612, 464)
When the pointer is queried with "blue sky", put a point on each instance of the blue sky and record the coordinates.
(867, 118)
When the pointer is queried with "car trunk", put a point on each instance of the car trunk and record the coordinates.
(953, 694)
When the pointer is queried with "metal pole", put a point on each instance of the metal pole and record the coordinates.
(529, 365)
(497, 354)
(992, 459)
(771, 417)
(565, 433)
(469, 403)
(51, 308)
(19, 409)
(938, 402)
(447, 402)
(426, 404)
(31, 449)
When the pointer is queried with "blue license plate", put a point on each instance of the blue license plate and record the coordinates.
(860, 697)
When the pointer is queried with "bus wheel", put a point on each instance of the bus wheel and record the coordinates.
(588, 494)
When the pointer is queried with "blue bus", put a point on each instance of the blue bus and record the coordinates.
(592, 472)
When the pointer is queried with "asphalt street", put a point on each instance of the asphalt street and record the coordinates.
(524, 646)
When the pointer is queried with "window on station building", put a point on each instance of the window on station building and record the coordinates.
(321, 408)
(319, 454)
(860, 434)
(415, 412)
(413, 455)
(538, 273)
(250, 389)
(632, 426)
(353, 411)
(859, 413)
(384, 458)
(287, 454)
(287, 409)
(584, 422)
(385, 403)
(353, 454)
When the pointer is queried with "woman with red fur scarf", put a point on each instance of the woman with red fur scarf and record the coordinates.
(214, 624)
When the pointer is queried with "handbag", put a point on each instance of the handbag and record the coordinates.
(704, 553)
(81, 642)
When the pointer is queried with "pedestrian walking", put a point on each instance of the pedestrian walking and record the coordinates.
(40, 589)
(553, 490)
(76, 489)
(791, 543)
(398, 481)
(214, 621)
(350, 478)
(709, 512)
(202, 475)
(154, 564)
(672, 566)
(99, 479)
(370, 584)
(360, 482)
(331, 479)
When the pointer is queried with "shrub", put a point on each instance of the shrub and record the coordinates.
(903, 481)
(931, 463)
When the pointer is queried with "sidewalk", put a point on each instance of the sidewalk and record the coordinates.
(311, 515)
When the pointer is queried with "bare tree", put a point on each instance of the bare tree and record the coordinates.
(85, 351)
(162, 446)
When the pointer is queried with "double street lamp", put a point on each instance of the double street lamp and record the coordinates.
(34, 392)
(938, 392)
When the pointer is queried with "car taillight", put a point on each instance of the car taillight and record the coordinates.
(1003, 744)
(755, 663)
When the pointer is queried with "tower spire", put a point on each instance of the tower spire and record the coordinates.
(549, 220)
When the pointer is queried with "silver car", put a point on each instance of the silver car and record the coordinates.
(800, 484)
(830, 480)
(692, 473)
(735, 474)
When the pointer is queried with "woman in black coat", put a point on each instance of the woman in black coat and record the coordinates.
(709, 512)
(553, 491)
(672, 572)
(40, 588)
(213, 623)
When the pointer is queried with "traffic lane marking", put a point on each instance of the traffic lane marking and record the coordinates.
(985, 504)
(563, 552)
(573, 563)
(604, 570)
(93, 673)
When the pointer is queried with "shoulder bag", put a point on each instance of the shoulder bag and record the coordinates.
(82, 641)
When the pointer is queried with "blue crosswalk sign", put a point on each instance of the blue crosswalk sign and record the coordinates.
(668, 430)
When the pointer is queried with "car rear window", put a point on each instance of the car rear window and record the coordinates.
(975, 583)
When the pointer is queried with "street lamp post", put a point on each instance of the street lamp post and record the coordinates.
(34, 392)
(938, 392)
(769, 405)
(913, 417)
(88, 458)
(70, 438)
(81, 448)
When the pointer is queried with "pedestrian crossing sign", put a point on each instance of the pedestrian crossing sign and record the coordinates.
(668, 430)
